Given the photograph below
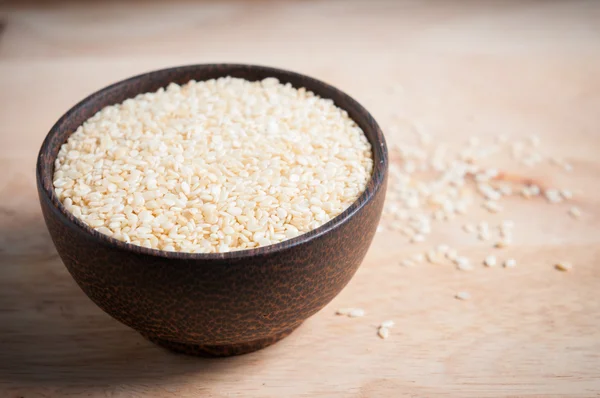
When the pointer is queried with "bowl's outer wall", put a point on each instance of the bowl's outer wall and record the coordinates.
(214, 301)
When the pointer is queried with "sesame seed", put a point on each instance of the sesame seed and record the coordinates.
(452, 254)
(484, 235)
(433, 257)
(387, 324)
(553, 196)
(510, 263)
(418, 257)
(566, 193)
(502, 243)
(490, 261)
(507, 224)
(384, 333)
(356, 313)
(343, 311)
(575, 212)
(462, 296)
(492, 207)
(417, 238)
(407, 263)
(443, 249)
(469, 228)
(563, 266)
(534, 140)
(463, 264)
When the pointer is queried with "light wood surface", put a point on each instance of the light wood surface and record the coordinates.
(459, 69)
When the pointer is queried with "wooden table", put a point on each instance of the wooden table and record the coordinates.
(459, 69)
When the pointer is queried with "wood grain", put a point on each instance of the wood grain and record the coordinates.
(459, 68)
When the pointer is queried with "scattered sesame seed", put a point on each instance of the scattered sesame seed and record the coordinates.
(387, 324)
(534, 140)
(484, 235)
(575, 212)
(462, 296)
(510, 263)
(463, 264)
(553, 196)
(407, 263)
(502, 139)
(502, 243)
(492, 207)
(507, 224)
(490, 261)
(433, 257)
(379, 228)
(452, 254)
(566, 193)
(343, 311)
(418, 257)
(506, 190)
(568, 167)
(526, 193)
(563, 266)
(443, 248)
(384, 333)
(417, 238)
(469, 228)
(356, 313)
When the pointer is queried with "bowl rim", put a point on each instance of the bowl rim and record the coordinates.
(45, 172)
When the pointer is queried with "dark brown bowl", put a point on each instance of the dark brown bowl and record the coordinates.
(213, 304)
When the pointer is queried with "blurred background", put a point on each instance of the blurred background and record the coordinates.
(456, 69)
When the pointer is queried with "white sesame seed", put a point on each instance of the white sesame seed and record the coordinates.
(507, 224)
(343, 311)
(492, 207)
(510, 263)
(452, 254)
(506, 190)
(356, 313)
(490, 261)
(383, 332)
(407, 263)
(484, 235)
(469, 228)
(553, 196)
(534, 140)
(566, 193)
(443, 249)
(463, 264)
(568, 167)
(564, 266)
(387, 324)
(462, 296)
(502, 139)
(433, 257)
(575, 212)
(418, 257)
(417, 238)
(502, 243)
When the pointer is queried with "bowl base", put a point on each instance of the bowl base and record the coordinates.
(226, 350)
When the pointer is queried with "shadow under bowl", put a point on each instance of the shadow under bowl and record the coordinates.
(215, 304)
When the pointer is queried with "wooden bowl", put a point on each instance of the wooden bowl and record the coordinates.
(223, 303)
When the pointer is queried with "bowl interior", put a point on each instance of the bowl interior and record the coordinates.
(152, 81)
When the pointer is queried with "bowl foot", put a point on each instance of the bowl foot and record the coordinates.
(220, 350)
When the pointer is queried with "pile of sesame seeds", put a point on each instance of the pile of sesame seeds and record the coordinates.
(213, 166)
